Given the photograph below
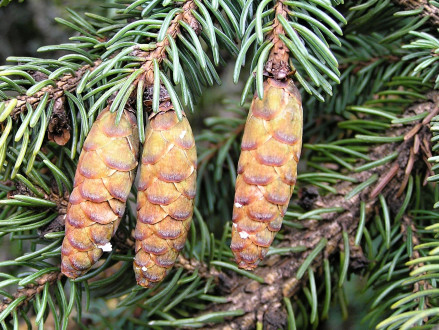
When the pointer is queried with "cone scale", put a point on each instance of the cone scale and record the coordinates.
(166, 192)
(103, 180)
(267, 170)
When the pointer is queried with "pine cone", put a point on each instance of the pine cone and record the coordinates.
(267, 170)
(103, 181)
(165, 199)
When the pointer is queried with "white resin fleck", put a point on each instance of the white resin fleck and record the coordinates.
(106, 248)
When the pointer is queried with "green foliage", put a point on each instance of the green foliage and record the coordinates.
(307, 34)
(423, 52)
(4, 3)
(371, 60)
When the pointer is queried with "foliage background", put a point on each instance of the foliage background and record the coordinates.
(369, 65)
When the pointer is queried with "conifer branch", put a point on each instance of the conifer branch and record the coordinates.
(425, 8)
(28, 292)
(159, 53)
(67, 82)
(383, 199)
(263, 302)
(282, 32)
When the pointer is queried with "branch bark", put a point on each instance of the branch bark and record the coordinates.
(428, 9)
(159, 53)
(68, 82)
(30, 290)
(263, 302)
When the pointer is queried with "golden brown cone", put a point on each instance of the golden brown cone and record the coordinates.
(267, 170)
(166, 193)
(103, 181)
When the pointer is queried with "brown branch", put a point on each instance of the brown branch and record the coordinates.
(31, 290)
(68, 82)
(263, 302)
(428, 10)
(159, 53)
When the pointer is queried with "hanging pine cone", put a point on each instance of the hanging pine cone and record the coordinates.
(165, 197)
(103, 181)
(267, 170)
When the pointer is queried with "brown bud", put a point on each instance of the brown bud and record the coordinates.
(59, 128)
(165, 197)
(267, 170)
(103, 180)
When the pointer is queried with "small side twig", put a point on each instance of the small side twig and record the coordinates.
(68, 82)
(30, 290)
